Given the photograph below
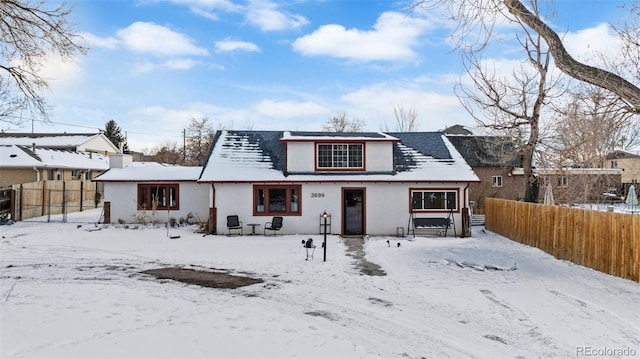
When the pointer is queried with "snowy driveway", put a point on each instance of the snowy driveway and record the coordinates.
(69, 292)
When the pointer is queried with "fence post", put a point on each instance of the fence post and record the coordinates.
(48, 206)
(64, 201)
(81, 194)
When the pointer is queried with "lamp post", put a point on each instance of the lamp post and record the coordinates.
(324, 244)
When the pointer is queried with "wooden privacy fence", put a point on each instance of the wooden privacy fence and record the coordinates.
(36, 199)
(605, 241)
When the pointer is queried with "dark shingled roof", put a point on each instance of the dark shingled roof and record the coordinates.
(268, 142)
(483, 151)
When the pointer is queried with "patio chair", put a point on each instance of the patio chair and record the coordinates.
(234, 223)
(274, 225)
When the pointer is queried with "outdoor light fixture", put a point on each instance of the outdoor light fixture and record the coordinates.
(324, 244)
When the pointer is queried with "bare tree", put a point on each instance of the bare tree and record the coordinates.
(29, 32)
(198, 139)
(477, 20)
(512, 104)
(406, 120)
(341, 123)
(590, 126)
(167, 152)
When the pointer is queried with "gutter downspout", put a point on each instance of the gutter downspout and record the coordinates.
(37, 174)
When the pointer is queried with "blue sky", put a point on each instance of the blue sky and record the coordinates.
(271, 65)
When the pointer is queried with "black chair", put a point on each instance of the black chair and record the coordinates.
(234, 223)
(274, 225)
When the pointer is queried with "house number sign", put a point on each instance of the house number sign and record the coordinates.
(317, 194)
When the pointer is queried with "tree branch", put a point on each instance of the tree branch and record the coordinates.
(567, 64)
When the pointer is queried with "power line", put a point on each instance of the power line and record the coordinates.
(99, 129)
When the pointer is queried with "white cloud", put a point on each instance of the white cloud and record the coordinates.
(147, 37)
(93, 40)
(173, 64)
(436, 110)
(585, 44)
(59, 71)
(267, 16)
(392, 39)
(289, 109)
(209, 5)
(228, 45)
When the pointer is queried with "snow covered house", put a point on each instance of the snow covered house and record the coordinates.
(74, 142)
(369, 183)
(152, 192)
(23, 164)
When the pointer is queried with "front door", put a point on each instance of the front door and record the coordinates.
(353, 209)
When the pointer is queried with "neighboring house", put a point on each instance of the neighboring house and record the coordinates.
(23, 164)
(493, 159)
(630, 165)
(369, 183)
(77, 142)
(581, 185)
(152, 192)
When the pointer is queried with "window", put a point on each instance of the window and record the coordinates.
(51, 175)
(276, 200)
(562, 181)
(614, 164)
(158, 196)
(496, 181)
(343, 155)
(434, 200)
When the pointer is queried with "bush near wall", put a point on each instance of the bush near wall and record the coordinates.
(605, 241)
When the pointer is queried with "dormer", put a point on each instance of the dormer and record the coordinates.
(338, 152)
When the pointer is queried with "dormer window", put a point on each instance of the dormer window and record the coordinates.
(342, 156)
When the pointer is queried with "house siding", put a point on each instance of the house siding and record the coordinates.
(386, 206)
(9, 177)
(194, 198)
(512, 186)
(378, 156)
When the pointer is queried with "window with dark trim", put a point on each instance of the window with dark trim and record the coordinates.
(158, 196)
(276, 200)
(434, 200)
(340, 155)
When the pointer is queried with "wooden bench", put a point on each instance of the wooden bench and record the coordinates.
(441, 225)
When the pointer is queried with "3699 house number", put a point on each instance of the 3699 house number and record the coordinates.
(317, 194)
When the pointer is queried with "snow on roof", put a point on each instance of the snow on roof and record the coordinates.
(325, 136)
(13, 156)
(259, 156)
(46, 139)
(150, 172)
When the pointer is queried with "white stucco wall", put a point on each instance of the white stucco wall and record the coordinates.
(379, 156)
(301, 156)
(194, 198)
(387, 207)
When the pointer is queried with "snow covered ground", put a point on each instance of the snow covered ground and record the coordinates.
(71, 292)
